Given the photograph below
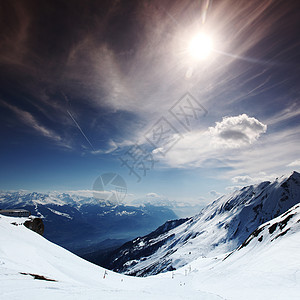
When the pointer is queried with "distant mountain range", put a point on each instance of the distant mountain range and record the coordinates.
(83, 224)
(231, 223)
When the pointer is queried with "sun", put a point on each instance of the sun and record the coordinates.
(200, 46)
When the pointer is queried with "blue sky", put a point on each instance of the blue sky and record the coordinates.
(83, 83)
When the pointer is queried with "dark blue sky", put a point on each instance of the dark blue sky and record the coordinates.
(82, 82)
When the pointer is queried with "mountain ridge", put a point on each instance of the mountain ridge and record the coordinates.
(81, 223)
(219, 228)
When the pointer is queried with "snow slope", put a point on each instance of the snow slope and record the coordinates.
(24, 251)
(266, 266)
(221, 227)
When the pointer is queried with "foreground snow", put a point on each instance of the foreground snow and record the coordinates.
(24, 251)
(267, 267)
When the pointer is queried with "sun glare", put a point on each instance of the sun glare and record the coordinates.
(200, 46)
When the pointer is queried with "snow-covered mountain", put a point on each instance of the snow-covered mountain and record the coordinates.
(84, 224)
(266, 266)
(270, 231)
(219, 228)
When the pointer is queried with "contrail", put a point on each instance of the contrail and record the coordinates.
(81, 130)
(67, 100)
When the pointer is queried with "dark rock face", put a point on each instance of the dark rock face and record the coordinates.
(36, 225)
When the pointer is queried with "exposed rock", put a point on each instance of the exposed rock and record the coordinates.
(35, 224)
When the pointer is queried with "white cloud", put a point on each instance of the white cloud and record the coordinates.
(259, 177)
(234, 188)
(215, 145)
(246, 180)
(152, 195)
(151, 198)
(264, 160)
(30, 121)
(112, 146)
(102, 195)
(295, 163)
(158, 150)
(270, 155)
(242, 179)
(290, 112)
(234, 132)
(215, 193)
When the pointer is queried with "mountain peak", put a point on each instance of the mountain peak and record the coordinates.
(295, 175)
(221, 227)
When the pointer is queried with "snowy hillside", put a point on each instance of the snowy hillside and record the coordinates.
(219, 228)
(33, 268)
(264, 268)
(288, 222)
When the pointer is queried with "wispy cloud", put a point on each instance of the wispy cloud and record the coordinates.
(288, 113)
(271, 155)
(146, 82)
(29, 120)
(114, 146)
(295, 163)
(246, 179)
(232, 188)
(215, 193)
(242, 179)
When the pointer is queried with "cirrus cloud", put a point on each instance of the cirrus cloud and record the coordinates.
(29, 120)
(242, 179)
(295, 163)
(260, 177)
(215, 193)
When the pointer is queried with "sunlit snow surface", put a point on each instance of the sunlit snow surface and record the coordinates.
(24, 251)
(265, 269)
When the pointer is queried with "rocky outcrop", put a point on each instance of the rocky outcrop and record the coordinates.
(35, 224)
